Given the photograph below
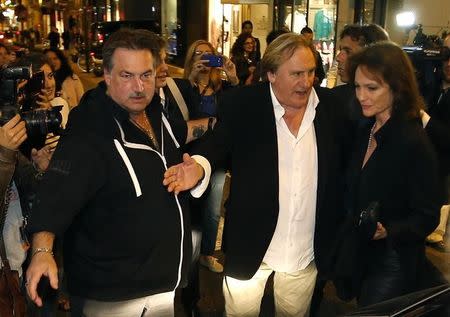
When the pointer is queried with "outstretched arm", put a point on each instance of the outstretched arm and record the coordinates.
(183, 176)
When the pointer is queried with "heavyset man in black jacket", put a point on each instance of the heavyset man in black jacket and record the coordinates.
(127, 240)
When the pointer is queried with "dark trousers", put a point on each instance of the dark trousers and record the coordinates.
(384, 279)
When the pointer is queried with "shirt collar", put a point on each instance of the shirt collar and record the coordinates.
(313, 101)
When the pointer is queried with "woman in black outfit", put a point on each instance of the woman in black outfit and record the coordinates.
(394, 168)
(243, 55)
(207, 86)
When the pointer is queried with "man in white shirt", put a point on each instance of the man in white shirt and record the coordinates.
(284, 141)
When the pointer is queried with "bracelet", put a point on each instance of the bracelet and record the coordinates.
(45, 250)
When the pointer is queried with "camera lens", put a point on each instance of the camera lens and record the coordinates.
(43, 121)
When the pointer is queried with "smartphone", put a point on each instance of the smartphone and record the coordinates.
(213, 60)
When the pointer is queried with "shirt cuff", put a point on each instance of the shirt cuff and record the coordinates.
(425, 118)
(200, 188)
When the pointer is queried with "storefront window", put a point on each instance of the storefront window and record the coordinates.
(296, 15)
(318, 15)
(227, 16)
(322, 20)
(169, 25)
(369, 7)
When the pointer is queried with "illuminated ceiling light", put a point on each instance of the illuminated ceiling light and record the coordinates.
(405, 18)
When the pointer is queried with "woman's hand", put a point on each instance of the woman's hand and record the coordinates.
(380, 233)
(44, 100)
(230, 70)
(198, 67)
(13, 133)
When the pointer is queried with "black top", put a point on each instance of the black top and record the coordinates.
(118, 244)
(401, 175)
(192, 97)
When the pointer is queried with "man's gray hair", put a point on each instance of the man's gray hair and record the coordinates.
(281, 49)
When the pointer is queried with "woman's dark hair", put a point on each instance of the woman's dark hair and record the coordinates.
(35, 60)
(65, 69)
(238, 47)
(388, 63)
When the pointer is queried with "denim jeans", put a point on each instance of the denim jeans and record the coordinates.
(211, 212)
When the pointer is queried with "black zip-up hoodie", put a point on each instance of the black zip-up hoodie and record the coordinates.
(103, 191)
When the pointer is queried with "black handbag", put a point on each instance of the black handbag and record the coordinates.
(368, 219)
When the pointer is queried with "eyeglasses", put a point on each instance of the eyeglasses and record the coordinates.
(198, 53)
(248, 43)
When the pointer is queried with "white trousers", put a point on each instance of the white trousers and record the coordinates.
(292, 292)
(158, 305)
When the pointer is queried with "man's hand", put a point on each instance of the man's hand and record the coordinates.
(42, 157)
(42, 264)
(13, 133)
(183, 176)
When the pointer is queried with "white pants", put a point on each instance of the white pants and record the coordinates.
(158, 305)
(292, 292)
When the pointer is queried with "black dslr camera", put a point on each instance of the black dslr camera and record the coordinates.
(39, 122)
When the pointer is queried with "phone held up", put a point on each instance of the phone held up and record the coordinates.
(213, 60)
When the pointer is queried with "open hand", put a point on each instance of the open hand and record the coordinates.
(183, 176)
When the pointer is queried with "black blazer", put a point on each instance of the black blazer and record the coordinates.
(246, 131)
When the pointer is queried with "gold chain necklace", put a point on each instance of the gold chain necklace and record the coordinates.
(147, 129)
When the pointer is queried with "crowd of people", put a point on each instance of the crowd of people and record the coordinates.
(343, 185)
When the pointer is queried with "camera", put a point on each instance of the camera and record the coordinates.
(213, 60)
(39, 122)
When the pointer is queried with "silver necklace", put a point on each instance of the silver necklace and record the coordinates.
(371, 137)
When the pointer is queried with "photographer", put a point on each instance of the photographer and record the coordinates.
(47, 97)
(18, 179)
(41, 95)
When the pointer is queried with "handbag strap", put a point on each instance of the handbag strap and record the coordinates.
(178, 97)
(3, 212)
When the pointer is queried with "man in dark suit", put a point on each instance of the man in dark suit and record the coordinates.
(353, 38)
(284, 141)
